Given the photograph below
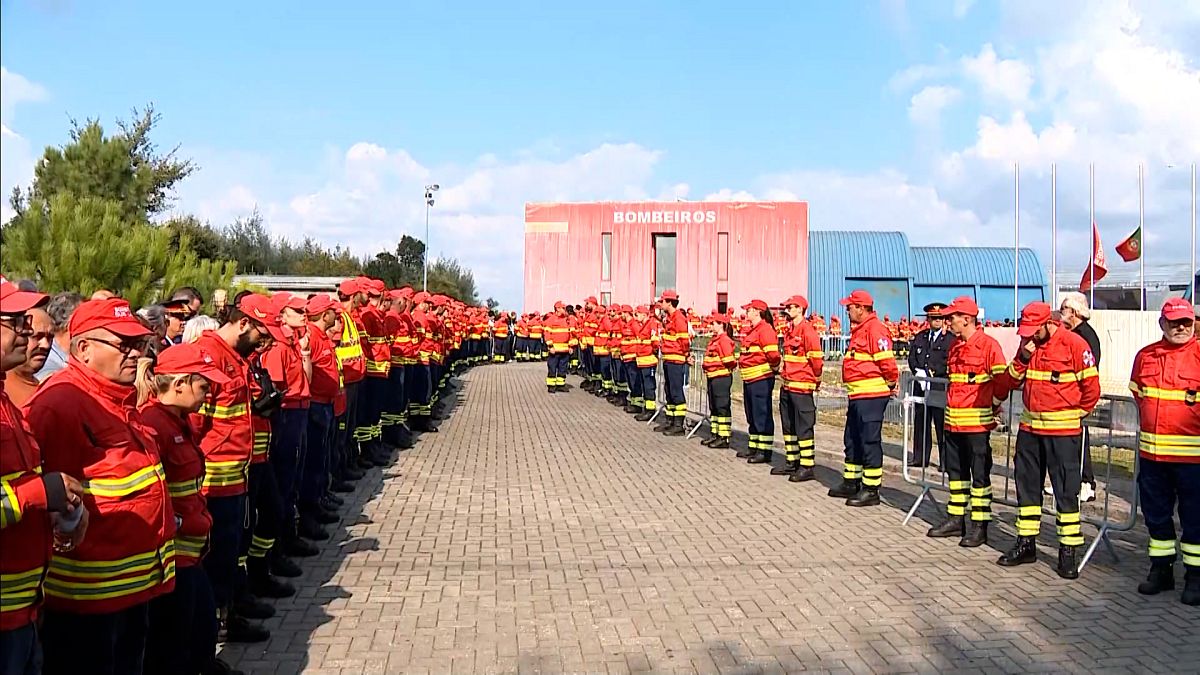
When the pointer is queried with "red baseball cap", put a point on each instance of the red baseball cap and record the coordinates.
(260, 309)
(798, 300)
(421, 296)
(643, 309)
(961, 305)
(858, 297)
(350, 286)
(113, 315)
(627, 308)
(13, 300)
(1175, 309)
(1033, 316)
(284, 300)
(559, 305)
(670, 294)
(319, 304)
(756, 304)
(189, 359)
(718, 316)
(374, 287)
(592, 299)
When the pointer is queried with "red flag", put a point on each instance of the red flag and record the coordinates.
(1131, 248)
(1097, 267)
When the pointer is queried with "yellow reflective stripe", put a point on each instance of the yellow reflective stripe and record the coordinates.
(105, 590)
(815, 354)
(189, 547)
(10, 506)
(224, 412)
(859, 356)
(127, 485)
(969, 416)
(749, 372)
(108, 569)
(720, 372)
(222, 474)
(19, 590)
(1169, 445)
(789, 358)
(873, 385)
(884, 355)
(970, 378)
(1049, 376)
(1181, 395)
(1054, 415)
(185, 488)
(795, 385)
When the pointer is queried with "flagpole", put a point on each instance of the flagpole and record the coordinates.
(1054, 231)
(1192, 271)
(1141, 233)
(1091, 246)
(1016, 240)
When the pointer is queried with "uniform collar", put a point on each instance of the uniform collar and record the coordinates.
(121, 395)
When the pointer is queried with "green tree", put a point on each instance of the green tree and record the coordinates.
(448, 277)
(86, 243)
(206, 241)
(492, 303)
(125, 168)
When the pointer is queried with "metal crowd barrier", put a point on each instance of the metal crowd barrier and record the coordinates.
(1115, 420)
(695, 392)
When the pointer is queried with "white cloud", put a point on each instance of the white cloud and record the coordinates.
(16, 153)
(16, 90)
(926, 106)
(1006, 80)
(727, 195)
(961, 7)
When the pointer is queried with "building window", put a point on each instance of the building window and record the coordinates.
(606, 299)
(606, 256)
(722, 256)
(722, 302)
(664, 263)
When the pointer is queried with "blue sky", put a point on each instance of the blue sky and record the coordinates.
(884, 115)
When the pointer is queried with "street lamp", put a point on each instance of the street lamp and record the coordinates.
(429, 190)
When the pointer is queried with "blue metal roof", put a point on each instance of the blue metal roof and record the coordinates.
(982, 266)
(835, 256)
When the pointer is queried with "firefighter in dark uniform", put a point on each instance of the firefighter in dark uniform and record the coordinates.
(927, 358)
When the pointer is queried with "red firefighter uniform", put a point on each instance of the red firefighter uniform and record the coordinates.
(224, 424)
(378, 347)
(25, 533)
(649, 337)
(87, 427)
(758, 360)
(349, 350)
(183, 464)
(803, 359)
(720, 360)
(869, 369)
(803, 362)
(557, 332)
(676, 338)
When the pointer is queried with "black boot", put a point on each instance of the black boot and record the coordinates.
(323, 515)
(802, 475)
(310, 529)
(763, 457)
(296, 547)
(721, 443)
(847, 488)
(644, 416)
(676, 428)
(249, 607)
(708, 442)
(633, 409)
(351, 473)
(218, 667)
(787, 469)
(1068, 562)
(262, 584)
(867, 496)
(664, 424)
(331, 501)
(550, 389)
(953, 526)
(1022, 553)
(342, 486)
(283, 566)
(238, 629)
(976, 534)
(1161, 578)
(746, 452)
(1191, 586)
(404, 440)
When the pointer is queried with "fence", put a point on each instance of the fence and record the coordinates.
(1114, 422)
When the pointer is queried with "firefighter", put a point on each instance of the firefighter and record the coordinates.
(676, 352)
(183, 625)
(719, 364)
(1060, 386)
(557, 333)
(803, 362)
(646, 342)
(521, 330)
(758, 362)
(537, 343)
(352, 357)
(500, 338)
(871, 376)
(378, 352)
(635, 403)
(616, 339)
(927, 359)
(588, 326)
(323, 389)
(603, 352)
(419, 382)
(1165, 383)
(974, 361)
(98, 593)
(32, 502)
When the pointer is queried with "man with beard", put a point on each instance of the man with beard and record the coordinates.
(225, 434)
(21, 382)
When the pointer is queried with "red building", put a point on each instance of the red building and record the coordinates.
(717, 255)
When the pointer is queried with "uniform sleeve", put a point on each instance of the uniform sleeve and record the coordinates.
(684, 332)
(812, 348)
(885, 357)
(1088, 375)
(19, 495)
(55, 423)
(770, 346)
(912, 354)
(272, 362)
(725, 349)
(1135, 381)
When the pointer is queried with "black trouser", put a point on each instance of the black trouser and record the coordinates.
(314, 470)
(500, 349)
(585, 354)
(417, 386)
(760, 417)
(1089, 474)
(183, 626)
(604, 372)
(225, 546)
(923, 418)
(289, 436)
(348, 448)
(1036, 455)
(649, 387)
(863, 440)
(370, 407)
(556, 370)
(634, 378)
(967, 458)
(720, 405)
(21, 651)
(266, 520)
(1161, 484)
(798, 413)
(96, 644)
(676, 376)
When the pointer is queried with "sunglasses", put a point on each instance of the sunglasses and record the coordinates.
(18, 323)
(141, 345)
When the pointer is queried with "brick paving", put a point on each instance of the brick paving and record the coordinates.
(547, 534)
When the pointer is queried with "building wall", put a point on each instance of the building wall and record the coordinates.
(736, 249)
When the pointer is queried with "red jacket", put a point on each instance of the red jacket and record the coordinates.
(972, 398)
(183, 463)
(803, 359)
(1166, 386)
(1061, 385)
(326, 377)
(406, 344)
(379, 343)
(676, 340)
(261, 450)
(603, 336)
(649, 335)
(557, 332)
(869, 369)
(223, 426)
(759, 353)
(88, 427)
(616, 337)
(349, 350)
(25, 532)
(286, 368)
(719, 359)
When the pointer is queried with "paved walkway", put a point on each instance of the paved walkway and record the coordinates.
(540, 534)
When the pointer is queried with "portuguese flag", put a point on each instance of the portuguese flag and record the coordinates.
(1131, 248)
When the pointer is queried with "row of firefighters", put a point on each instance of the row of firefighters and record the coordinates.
(621, 349)
(133, 532)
